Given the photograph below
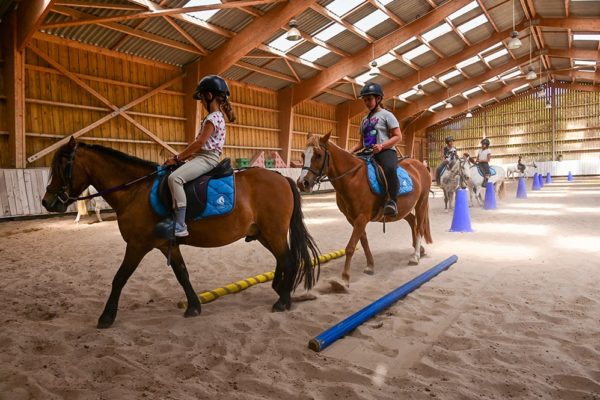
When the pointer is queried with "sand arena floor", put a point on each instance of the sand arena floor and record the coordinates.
(517, 317)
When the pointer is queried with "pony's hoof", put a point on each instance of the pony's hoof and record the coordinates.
(422, 251)
(191, 312)
(413, 261)
(280, 306)
(105, 322)
(337, 287)
(369, 271)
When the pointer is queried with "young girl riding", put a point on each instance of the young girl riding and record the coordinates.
(484, 155)
(448, 151)
(380, 132)
(204, 153)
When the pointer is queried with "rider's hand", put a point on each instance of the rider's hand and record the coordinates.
(170, 161)
(377, 148)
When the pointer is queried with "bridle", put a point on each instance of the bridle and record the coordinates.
(320, 177)
(63, 194)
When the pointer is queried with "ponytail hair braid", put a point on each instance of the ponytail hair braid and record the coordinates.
(226, 107)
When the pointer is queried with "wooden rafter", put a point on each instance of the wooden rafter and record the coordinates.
(265, 71)
(577, 86)
(186, 35)
(250, 37)
(573, 23)
(326, 13)
(115, 109)
(97, 4)
(311, 87)
(31, 14)
(159, 13)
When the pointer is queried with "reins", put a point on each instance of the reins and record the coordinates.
(322, 178)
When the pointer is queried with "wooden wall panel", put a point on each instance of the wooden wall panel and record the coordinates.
(312, 117)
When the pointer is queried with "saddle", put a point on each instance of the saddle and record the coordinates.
(377, 181)
(210, 194)
(492, 171)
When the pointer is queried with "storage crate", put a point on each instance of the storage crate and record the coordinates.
(242, 162)
(269, 163)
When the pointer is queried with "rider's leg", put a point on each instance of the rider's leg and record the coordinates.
(389, 161)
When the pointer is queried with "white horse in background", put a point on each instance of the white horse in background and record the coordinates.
(476, 181)
(513, 170)
(84, 206)
(454, 176)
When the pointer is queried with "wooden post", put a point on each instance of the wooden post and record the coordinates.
(14, 82)
(342, 115)
(191, 107)
(286, 122)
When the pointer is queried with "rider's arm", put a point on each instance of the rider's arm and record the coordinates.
(356, 148)
(196, 145)
(395, 137)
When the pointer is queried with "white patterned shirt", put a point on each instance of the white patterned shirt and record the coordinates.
(216, 141)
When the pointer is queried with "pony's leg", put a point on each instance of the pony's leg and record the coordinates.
(78, 217)
(181, 273)
(370, 268)
(412, 222)
(98, 215)
(358, 230)
(133, 256)
(283, 269)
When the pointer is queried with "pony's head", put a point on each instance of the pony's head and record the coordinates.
(315, 160)
(66, 179)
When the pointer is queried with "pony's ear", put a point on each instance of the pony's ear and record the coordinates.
(72, 142)
(325, 138)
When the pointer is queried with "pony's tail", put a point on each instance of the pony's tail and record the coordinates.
(303, 248)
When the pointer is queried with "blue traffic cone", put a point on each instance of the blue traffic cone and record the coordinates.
(490, 197)
(548, 178)
(461, 220)
(535, 185)
(541, 180)
(570, 177)
(521, 190)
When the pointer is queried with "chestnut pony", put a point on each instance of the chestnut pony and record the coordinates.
(348, 175)
(267, 209)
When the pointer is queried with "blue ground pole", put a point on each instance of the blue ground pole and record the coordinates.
(332, 334)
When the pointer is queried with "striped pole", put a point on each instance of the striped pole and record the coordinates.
(236, 287)
(332, 334)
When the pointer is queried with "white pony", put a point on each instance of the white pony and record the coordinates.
(83, 206)
(454, 176)
(477, 179)
(513, 170)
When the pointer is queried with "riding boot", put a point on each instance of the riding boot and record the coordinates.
(180, 226)
(390, 209)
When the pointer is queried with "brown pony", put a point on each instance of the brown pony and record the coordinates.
(267, 208)
(348, 175)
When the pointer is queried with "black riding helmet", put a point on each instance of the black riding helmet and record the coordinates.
(213, 84)
(371, 89)
(449, 139)
(486, 141)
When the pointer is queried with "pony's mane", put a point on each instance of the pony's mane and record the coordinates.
(313, 140)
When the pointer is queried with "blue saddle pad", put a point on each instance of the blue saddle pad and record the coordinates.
(406, 183)
(492, 171)
(220, 198)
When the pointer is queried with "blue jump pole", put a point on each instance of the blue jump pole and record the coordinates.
(332, 334)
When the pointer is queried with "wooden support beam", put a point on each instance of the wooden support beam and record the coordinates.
(31, 14)
(255, 33)
(191, 107)
(342, 116)
(328, 14)
(286, 122)
(577, 86)
(573, 23)
(402, 85)
(97, 4)
(573, 53)
(265, 71)
(158, 13)
(14, 87)
(186, 35)
(311, 87)
(479, 99)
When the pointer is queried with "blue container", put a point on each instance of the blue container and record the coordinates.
(461, 220)
(490, 197)
(521, 189)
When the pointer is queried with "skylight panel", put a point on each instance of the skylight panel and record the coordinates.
(437, 32)
(384, 2)
(427, 81)
(437, 105)
(586, 36)
(471, 91)
(364, 78)
(495, 55)
(417, 51)
(449, 75)
(511, 75)
(384, 59)
(406, 42)
(472, 24)
(282, 44)
(203, 15)
(517, 89)
(491, 47)
(585, 62)
(492, 79)
(406, 95)
(341, 7)
(371, 20)
(467, 62)
(471, 6)
(315, 53)
(330, 32)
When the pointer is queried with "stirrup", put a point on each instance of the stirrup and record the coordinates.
(390, 209)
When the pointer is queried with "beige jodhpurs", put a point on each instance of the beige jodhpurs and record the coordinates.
(199, 165)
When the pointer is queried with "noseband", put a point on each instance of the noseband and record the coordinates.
(63, 193)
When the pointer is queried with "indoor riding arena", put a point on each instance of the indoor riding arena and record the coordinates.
(295, 269)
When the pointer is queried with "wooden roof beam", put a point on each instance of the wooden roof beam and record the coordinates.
(443, 65)
(97, 4)
(573, 23)
(479, 99)
(159, 13)
(326, 13)
(253, 35)
(311, 87)
(30, 15)
(577, 86)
